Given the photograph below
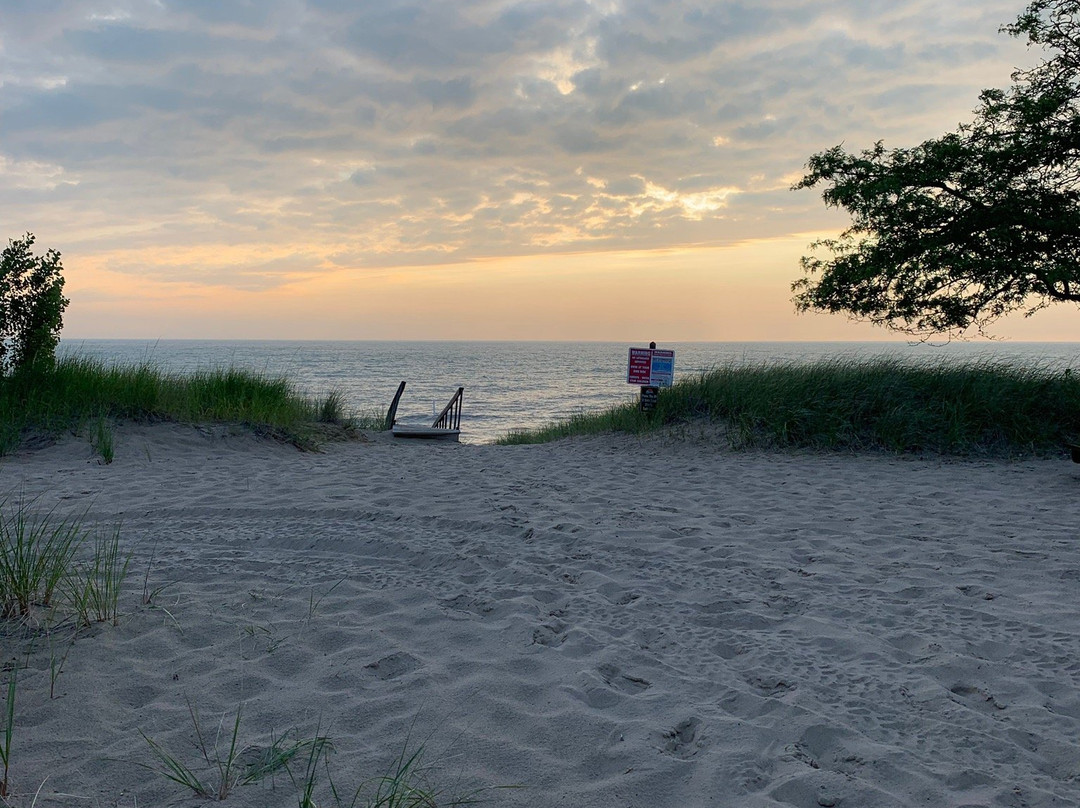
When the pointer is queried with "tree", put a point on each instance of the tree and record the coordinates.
(960, 230)
(31, 306)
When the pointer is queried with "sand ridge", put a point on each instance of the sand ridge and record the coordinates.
(606, 622)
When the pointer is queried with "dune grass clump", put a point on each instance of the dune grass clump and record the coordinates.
(406, 784)
(79, 392)
(226, 762)
(51, 561)
(877, 405)
(625, 418)
(101, 438)
(36, 556)
(51, 574)
(97, 582)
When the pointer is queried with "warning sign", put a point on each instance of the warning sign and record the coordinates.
(650, 367)
(639, 369)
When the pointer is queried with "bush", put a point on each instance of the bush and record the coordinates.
(978, 408)
(31, 306)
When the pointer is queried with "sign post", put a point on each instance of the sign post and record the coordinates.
(650, 369)
(649, 396)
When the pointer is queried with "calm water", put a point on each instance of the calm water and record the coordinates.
(509, 385)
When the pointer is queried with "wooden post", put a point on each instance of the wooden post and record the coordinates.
(391, 414)
(649, 394)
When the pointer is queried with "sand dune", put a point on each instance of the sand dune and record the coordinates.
(604, 622)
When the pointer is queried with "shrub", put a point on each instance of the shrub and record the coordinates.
(31, 306)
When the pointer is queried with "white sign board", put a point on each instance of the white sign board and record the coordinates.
(650, 367)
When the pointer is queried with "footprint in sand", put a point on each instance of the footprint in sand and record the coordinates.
(551, 635)
(653, 638)
(769, 685)
(393, 666)
(468, 604)
(617, 595)
(683, 740)
(977, 699)
(623, 682)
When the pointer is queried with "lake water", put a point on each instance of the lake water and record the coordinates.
(510, 385)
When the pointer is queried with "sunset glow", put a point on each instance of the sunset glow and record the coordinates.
(472, 171)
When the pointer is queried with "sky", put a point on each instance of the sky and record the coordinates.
(464, 169)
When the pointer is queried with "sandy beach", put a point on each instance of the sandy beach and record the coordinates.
(614, 622)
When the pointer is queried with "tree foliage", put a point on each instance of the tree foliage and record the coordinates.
(962, 229)
(32, 305)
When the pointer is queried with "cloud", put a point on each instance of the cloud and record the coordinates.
(33, 176)
(114, 42)
(457, 92)
(395, 133)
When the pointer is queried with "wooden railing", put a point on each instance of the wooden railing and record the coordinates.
(450, 417)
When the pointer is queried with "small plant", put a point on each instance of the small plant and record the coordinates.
(229, 767)
(281, 754)
(315, 602)
(35, 556)
(96, 584)
(405, 785)
(102, 439)
(317, 750)
(331, 410)
(172, 768)
(401, 787)
(56, 664)
(254, 631)
(9, 731)
(149, 595)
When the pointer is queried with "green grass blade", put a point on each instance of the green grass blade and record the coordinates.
(173, 769)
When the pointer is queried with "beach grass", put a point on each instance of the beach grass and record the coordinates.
(39, 566)
(9, 731)
(408, 784)
(98, 582)
(88, 394)
(36, 556)
(41, 562)
(978, 408)
(225, 764)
